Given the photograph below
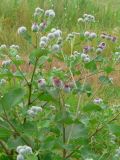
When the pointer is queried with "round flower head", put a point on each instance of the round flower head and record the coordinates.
(86, 59)
(19, 148)
(41, 83)
(80, 20)
(28, 150)
(42, 44)
(20, 157)
(86, 19)
(102, 45)
(44, 38)
(108, 36)
(114, 39)
(92, 35)
(75, 52)
(35, 27)
(3, 46)
(6, 63)
(92, 17)
(22, 151)
(50, 36)
(57, 82)
(50, 13)
(55, 48)
(87, 34)
(99, 50)
(67, 88)
(31, 113)
(42, 26)
(47, 13)
(36, 109)
(70, 37)
(2, 81)
(98, 100)
(85, 15)
(103, 35)
(83, 55)
(18, 57)
(87, 49)
(53, 29)
(22, 30)
(38, 11)
(57, 33)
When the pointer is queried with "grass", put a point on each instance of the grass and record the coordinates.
(15, 13)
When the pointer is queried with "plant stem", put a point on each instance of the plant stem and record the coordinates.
(31, 81)
(63, 125)
(5, 148)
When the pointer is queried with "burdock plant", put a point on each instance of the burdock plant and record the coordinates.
(49, 110)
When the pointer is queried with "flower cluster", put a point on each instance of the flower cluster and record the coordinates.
(56, 82)
(86, 18)
(34, 110)
(109, 37)
(13, 46)
(50, 13)
(22, 151)
(36, 26)
(54, 34)
(90, 35)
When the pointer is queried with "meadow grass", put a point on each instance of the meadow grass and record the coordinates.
(15, 13)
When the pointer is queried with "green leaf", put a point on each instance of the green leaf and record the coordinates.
(43, 59)
(91, 66)
(37, 53)
(108, 69)
(104, 79)
(4, 133)
(31, 157)
(78, 133)
(12, 98)
(90, 107)
(115, 129)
